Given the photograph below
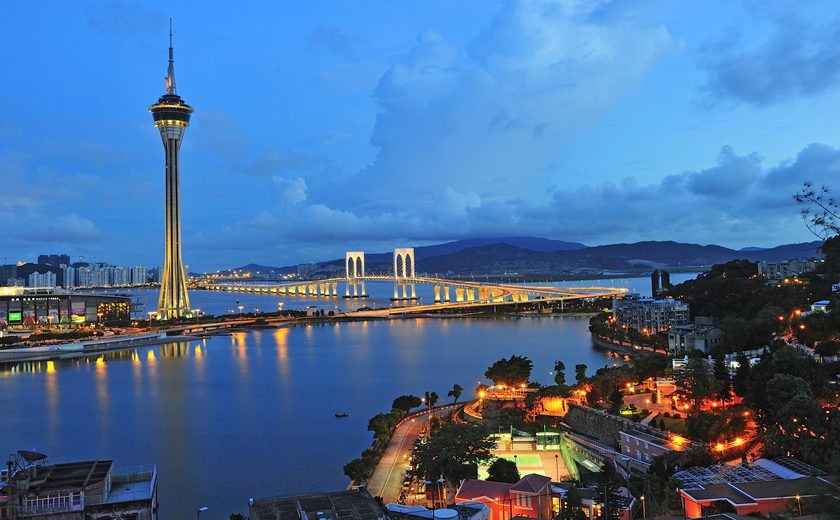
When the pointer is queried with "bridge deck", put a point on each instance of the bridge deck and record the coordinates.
(468, 293)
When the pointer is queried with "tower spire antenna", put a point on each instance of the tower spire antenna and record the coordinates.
(170, 76)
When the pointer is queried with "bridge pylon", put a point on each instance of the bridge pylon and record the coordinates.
(404, 274)
(354, 265)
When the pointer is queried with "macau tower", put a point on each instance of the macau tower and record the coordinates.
(172, 117)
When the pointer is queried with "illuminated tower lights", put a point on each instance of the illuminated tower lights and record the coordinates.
(172, 117)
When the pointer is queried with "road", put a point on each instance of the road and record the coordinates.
(388, 476)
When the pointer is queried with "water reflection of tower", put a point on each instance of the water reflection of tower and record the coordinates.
(172, 117)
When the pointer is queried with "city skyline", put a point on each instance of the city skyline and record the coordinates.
(322, 129)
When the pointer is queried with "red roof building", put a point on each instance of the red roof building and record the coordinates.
(530, 497)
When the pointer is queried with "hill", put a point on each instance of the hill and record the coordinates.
(524, 255)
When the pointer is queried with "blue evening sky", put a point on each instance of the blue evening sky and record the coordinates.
(322, 127)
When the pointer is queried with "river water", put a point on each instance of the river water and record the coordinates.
(251, 414)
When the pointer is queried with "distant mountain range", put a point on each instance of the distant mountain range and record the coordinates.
(532, 255)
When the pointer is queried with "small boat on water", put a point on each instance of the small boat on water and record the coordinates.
(341, 414)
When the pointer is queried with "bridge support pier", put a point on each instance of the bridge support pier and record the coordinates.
(356, 286)
(437, 293)
(405, 287)
(446, 294)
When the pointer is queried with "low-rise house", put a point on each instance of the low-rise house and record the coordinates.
(701, 335)
(530, 497)
(761, 487)
(89, 490)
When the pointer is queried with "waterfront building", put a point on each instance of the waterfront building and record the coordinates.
(28, 308)
(94, 490)
(138, 275)
(120, 276)
(101, 276)
(355, 504)
(649, 315)
(84, 277)
(16, 282)
(701, 335)
(761, 487)
(172, 117)
(68, 277)
(785, 268)
(37, 279)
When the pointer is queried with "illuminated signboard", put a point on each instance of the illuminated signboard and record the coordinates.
(14, 316)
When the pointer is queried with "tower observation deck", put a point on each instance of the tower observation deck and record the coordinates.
(172, 117)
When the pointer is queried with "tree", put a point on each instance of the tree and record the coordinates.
(616, 400)
(580, 373)
(238, 516)
(514, 371)
(608, 483)
(820, 210)
(503, 470)
(454, 452)
(406, 402)
(357, 470)
(742, 375)
(381, 424)
(695, 383)
(432, 398)
(455, 393)
(827, 348)
(573, 508)
(723, 381)
(559, 376)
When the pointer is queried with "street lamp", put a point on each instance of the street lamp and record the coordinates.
(201, 510)
(799, 504)
(643, 506)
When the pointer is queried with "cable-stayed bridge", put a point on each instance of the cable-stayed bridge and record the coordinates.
(449, 294)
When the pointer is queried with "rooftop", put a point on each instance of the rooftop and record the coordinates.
(531, 483)
(464, 511)
(72, 475)
(354, 504)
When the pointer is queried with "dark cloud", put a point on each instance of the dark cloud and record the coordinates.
(691, 206)
(797, 58)
(732, 177)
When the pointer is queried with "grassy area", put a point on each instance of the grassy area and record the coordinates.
(673, 425)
